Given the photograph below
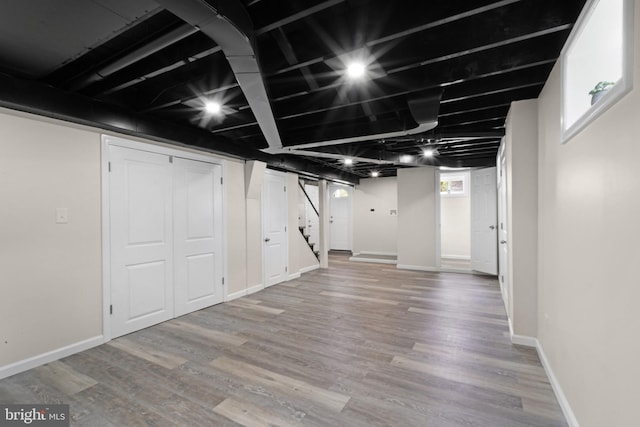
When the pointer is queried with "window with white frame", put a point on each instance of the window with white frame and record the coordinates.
(453, 185)
(597, 63)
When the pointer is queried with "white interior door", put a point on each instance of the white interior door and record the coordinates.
(197, 235)
(340, 217)
(141, 240)
(275, 217)
(503, 248)
(313, 221)
(484, 250)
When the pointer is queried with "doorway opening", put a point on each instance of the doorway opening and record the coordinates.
(455, 220)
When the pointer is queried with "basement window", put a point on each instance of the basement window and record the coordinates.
(453, 185)
(597, 63)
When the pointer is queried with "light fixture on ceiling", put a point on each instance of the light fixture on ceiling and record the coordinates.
(348, 162)
(356, 70)
(430, 152)
(213, 107)
(375, 174)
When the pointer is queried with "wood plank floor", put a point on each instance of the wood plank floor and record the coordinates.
(355, 345)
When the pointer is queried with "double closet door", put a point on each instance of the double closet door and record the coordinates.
(165, 227)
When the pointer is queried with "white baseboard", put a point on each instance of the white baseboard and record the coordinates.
(310, 268)
(236, 295)
(460, 257)
(524, 340)
(555, 385)
(436, 269)
(50, 356)
(377, 253)
(254, 289)
(376, 260)
(417, 268)
(294, 276)
(557, 389)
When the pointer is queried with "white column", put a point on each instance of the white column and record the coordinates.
(323, 197)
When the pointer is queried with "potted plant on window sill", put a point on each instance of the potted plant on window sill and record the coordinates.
(599, 90)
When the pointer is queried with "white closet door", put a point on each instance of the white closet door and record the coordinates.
(141, 240)
(274, 211)
(197, 235)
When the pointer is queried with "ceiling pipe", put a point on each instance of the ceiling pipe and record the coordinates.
(156, 45)
(228, 24)
(424, 107)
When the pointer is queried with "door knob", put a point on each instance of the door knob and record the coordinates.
(267, 239)
(502, 242)
(493, 227)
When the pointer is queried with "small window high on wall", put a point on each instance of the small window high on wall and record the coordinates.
(597, 63)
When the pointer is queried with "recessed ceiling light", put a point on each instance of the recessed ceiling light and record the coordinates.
(348, 162)
(212, 107)
(375, 174)
(356, 70)
(428, 152)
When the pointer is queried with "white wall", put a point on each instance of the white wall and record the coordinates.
(375, 231)
(521, 141)
(236, 220)
(417, 237)
(455, 221)
(589, 251)
(51, 275)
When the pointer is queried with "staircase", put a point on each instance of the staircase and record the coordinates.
(311, 245)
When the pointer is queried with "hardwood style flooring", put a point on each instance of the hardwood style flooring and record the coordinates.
(355, 345)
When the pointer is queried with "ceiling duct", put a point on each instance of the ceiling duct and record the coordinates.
(424, 107)
(228, 24)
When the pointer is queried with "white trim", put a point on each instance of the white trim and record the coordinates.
(310, 268)
(50, 356)
(523, 340)
(374, 260)
(440, 270)
(622, 87)
(418, 268)
(236, 295)
(256, 288)
(106, 240)
(294, 276)
(460, 257)
(376, 253)
(557, 389)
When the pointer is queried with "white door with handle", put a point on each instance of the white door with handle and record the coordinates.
(484, 233)
(197, 235)
(274, 227)
(141, 239)
(503, 247)
(340, 199)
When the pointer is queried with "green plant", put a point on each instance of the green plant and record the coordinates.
(601, 87)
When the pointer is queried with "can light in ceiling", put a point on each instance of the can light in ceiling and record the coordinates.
(212, 107)
(429, 152)
(356, 70)
(375, 174)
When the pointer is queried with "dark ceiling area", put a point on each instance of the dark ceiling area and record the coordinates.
(435, 84)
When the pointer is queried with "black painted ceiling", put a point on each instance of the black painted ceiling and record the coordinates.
(137, 58)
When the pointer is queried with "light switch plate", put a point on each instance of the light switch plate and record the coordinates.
(62, 215)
